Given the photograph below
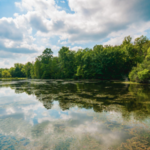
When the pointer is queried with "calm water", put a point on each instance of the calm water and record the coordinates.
(74, 115)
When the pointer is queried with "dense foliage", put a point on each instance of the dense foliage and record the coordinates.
(102, 62)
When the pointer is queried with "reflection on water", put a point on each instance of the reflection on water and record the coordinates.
(74, 115)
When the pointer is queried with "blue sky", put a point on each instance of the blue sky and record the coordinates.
(27, 27)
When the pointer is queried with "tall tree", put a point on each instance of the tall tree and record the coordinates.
(27, 69)
(6, 74)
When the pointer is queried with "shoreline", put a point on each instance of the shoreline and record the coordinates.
(113, 81)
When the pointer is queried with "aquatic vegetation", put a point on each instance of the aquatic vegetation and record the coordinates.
(139, 141)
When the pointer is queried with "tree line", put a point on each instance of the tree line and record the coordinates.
(128, 60)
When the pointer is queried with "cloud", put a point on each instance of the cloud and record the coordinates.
(97, 19)
(37, 23)
(32, 5)
(58, 25)
(93, 22)
(64, 43)
(7, 55)
(134, 30)
(76, 48)
(62, 1)
(141, 10)
(22, 50)
(54, 47)
(9, 30)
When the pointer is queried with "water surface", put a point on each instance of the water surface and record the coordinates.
(74, 115)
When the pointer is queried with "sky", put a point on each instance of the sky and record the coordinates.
(27, 27)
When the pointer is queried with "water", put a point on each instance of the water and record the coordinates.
(74, 115)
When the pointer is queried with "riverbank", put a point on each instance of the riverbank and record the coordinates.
(13, 78)
(79, 80)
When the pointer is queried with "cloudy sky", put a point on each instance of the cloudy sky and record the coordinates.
(27, 27)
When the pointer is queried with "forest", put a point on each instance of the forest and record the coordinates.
(128, 61)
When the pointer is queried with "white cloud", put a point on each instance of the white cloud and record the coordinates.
(92, 21)
(76, 48)
(64, 43)
(16, 14)
(9, 30)
(54, 47)
(10, 110)
(133, 30)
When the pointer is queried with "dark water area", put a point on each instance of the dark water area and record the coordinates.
(74, 115)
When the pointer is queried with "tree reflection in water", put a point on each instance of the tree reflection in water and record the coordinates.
(123, 109)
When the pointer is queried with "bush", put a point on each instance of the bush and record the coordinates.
(6, 74)
(144, 75)
(141, 73)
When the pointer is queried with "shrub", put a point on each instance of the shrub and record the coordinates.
(6, 74)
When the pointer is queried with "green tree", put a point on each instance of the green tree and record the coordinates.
(144, 75)
(140, 44)
(127, 40)
(1, 69)
(18, 70)
(141, 73)
(55, 70)
(37, 69)
(12, 71)
(42, 66)
(6, 74)
(27, 69)
(102, 62)
(66, 62)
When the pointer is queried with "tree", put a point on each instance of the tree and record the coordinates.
(127, 40)
(139, 43)
(18, 70)
(66, 62)
(46, 55)
(102, 62)
(27, 69)
(42, 65)
(37, 69)
(1, 69)
(55, 70)
(12, 71)
(144, 75)
(6, 74)
(141, 73)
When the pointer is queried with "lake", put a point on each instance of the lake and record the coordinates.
(74, 115)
